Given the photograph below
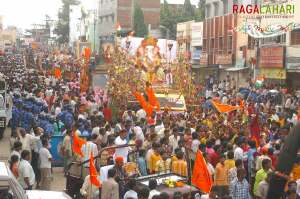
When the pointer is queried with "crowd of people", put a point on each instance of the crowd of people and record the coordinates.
(240, 166)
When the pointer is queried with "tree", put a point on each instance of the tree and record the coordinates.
(139, 25)
(168, 20)
(188, 12)
(200, 11)
(63, 25)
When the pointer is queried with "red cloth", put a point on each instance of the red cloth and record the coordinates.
(214, 158)
(201, 177)
(107, 114)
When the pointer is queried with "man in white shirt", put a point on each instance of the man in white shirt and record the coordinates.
(26, 139)
(174, 139)
(139, 132)
(238, 152)
(45, 167)
(87, 149)
(26, 173)
(119, 141)
(141, 114)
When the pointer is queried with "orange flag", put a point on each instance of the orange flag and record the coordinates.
(57, 73)
(201, 177)
(141, 99)
(87, 53)
(152, 98)
(93, 172)
(224, 108)
(77, 144)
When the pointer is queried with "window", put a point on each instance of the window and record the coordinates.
(229, 44)
(221, 43)
(295, 37)
(112, 17)
(251, 43)
(274, 40)
(212, 44)
(204, 44)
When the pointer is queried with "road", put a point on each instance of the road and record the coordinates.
(59, 182)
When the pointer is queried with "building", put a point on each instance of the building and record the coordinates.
(113, 12)
(1, 23)
(184, 38)
(8, 38)
(279, 57)
(225, 52)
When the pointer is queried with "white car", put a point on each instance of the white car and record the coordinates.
(11, 189)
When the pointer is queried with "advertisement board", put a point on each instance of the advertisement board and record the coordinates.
(224, 59)
(274, 73)
(204, 59)
(271, 57)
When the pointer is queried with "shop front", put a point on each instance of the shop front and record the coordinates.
(293, 67)
(271, 65)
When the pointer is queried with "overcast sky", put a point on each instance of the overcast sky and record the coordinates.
(23, 13)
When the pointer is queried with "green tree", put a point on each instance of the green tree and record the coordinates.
(63, 25)
(168, 20)
(139, 25)
(200, 11)
(188, 11)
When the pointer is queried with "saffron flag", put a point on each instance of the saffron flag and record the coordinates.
(146, 106)
(57, 73)
(201, 177)
(77, 144)
(224, 108)
(93, 172)
(255, 130)
(87, 53)
(152, 98)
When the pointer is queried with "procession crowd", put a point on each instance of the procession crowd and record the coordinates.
(240, 159)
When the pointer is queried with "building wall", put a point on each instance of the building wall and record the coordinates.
(1, 23)
(121, 11)
(291, 55)
(107, 17)
(184, 34)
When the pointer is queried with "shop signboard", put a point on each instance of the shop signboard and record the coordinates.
(273, 73)
(293, 58)
(204, 59)
(271, 57)
(224, 59)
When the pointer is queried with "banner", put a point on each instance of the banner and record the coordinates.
(257, 31)
(274, 73)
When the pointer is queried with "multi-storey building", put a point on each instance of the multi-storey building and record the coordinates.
(225, 51)
(279, 57)
(112, 12)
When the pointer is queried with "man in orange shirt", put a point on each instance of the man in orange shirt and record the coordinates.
(296, 170)
(179, 166)
(221, 177)
(154, 158)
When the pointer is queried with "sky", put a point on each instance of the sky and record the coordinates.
(23, 13)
